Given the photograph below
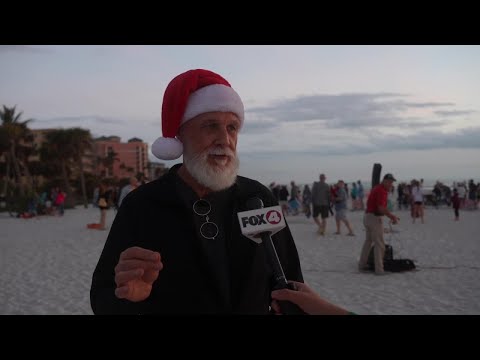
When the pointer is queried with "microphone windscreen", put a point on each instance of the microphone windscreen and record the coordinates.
(254, 203)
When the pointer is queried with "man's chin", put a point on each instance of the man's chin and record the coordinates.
(215, 177)
(219, 164)
(216, 173)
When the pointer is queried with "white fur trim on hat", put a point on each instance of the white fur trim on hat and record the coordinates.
(166, 148)
(211, 98)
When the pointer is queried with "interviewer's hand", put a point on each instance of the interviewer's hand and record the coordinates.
(307, 299)
(135, 273)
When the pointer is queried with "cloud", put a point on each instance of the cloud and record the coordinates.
(345, 143)
(356, 110)
(454, 112)
(427, 104)
(24, 49)
(82, 119)
(317, 125)
(378, 142)
(464, 139)
(252, 126)
(126, 128)
(415, 123)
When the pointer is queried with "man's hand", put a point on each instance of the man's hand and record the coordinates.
(136, 271)
(394, 219)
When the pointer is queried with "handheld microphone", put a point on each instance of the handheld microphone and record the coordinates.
(258, 224)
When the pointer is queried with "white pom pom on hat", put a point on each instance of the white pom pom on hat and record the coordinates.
(166, 148)
(189, 94)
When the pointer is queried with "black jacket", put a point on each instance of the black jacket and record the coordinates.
(191, 281)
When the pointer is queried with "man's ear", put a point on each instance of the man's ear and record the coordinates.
(179, 135)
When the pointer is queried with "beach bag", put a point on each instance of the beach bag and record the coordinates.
(398, 265)
(102, 202)
(389, 263)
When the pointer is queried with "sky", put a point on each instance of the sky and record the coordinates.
(308, 109)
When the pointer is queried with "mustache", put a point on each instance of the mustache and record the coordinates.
(221, 151)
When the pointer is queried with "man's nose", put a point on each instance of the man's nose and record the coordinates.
(222, 138)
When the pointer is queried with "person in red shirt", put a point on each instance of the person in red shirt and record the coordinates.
(376, 209)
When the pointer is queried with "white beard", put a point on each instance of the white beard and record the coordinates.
(216, 178)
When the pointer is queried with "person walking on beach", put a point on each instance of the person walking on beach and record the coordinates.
(283, 199)
(376, 209)
(417, 197)
(353, 195)
(321, 203)
(176, 246)
(307, 201)
(59, 202)
(293, 202)
(132, 185)
(360, 195)
(104, 202)
(456, 204)
(341, 208)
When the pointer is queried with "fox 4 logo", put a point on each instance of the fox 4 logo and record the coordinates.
(272, 217)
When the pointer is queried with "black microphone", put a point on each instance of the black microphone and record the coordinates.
(281, 281)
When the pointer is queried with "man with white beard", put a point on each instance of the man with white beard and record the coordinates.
(176, 246)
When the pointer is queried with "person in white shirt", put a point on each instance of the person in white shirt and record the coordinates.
(417, 196)
(127, 188)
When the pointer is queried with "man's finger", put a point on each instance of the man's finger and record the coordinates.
(276, 307)
(125, 265)
(150, 276)
(140, 254)
(122, 292)
(123, 277)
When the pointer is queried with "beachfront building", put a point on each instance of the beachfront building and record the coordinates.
(120, 160)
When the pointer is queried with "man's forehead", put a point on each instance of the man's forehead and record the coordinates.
(217, 116)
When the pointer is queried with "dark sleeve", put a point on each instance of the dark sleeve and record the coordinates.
(102, 292)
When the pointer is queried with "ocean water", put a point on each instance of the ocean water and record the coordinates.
(428, 184)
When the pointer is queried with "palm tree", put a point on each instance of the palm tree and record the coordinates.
(4, 147)
(16, 130)
(24, 150)
(4, 141)
(81, 141)
(67, 147)
(108, 161)
(58, 148)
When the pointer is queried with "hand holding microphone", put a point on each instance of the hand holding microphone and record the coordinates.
(307, 299)
(261, 223)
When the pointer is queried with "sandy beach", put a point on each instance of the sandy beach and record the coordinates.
(46, 264)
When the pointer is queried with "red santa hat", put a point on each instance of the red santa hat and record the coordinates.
(189, 94)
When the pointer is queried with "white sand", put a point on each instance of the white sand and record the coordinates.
(46, 264)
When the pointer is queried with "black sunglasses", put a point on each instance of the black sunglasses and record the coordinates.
(208, 229)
